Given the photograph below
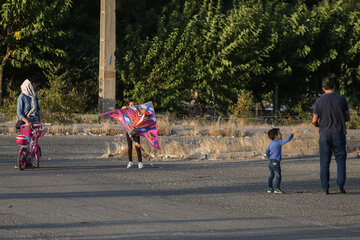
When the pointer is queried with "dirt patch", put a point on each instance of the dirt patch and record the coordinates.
(202, 141)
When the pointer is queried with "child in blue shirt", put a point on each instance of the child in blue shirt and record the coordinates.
(273, 152)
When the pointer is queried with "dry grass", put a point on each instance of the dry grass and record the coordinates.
(226, 137)
(56, 130)
(216, 137)
(108, 152)
(12, 131)
(197, 136)
(258, 141)
(104, 129)
(195, 131)
(163, 124)
(224, 129)
(180, 146)
(75, 130)
(189, 122)
(177, 147)
(119, 151)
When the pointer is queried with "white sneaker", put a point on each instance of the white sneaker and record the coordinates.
(140, 165)
(130, 165)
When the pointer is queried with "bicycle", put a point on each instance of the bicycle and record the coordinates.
(29, 135)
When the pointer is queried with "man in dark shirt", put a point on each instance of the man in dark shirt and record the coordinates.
(330, 114)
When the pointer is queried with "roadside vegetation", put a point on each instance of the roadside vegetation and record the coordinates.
(210, 67)
(232, 58)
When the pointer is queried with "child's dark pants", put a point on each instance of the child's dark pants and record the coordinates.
(130, 143)
(274, 169)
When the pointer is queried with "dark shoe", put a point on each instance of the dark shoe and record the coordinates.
(270, 190)
(341, 191)
(278, 191)
(326, 191)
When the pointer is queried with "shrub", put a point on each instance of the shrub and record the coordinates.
(10, 103)
(242, 109)
(354, 122)
(57, 103)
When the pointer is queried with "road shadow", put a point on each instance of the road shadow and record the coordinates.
(244, 188)
(235, 230)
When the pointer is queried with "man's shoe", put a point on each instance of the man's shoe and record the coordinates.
(130, 165)
(325, 191)
(341, 191)
(140, 165)
(278, 190)
(270, 190)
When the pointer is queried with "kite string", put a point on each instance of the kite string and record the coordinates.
(143, 150)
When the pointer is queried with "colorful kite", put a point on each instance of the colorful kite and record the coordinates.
(138, 121)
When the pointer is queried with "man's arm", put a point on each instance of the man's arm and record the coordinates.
(347, 116)
(315, 120)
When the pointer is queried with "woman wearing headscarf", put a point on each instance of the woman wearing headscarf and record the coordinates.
(27, 108)
(28, 105)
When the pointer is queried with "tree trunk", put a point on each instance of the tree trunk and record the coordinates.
(1, 82)
(3, 62)
(276, 100)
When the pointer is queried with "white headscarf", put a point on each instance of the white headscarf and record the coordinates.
(28, 90)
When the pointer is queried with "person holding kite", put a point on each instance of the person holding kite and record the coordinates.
(130, 143)
(138, 120)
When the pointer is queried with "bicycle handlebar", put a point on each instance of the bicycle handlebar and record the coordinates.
(34, 125)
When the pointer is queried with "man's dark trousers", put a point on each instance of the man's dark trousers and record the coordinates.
(329, 144)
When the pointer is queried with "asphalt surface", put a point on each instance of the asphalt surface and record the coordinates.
(77, 195)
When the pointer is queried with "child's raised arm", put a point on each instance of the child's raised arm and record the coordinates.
(288, 138)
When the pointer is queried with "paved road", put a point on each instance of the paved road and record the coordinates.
(76, 195)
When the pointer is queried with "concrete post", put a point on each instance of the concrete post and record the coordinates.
(107, 73)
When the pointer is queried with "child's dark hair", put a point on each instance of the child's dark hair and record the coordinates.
(128, 102)
(273, 132)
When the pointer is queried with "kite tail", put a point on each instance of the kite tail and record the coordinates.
(143, 150)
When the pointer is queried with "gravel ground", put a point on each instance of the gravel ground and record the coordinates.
(77, 195)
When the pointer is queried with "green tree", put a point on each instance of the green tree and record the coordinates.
(81, 44)
(205, 54)
(58, 101)
(153, 68)
(27, 33)
(339, 30)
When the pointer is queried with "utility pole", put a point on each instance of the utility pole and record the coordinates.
(107, 72)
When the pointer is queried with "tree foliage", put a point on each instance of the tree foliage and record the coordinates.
(183, 53)
(204, 54)
(27, 33)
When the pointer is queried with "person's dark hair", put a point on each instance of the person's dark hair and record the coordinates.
(128, 102)
(273, 132)
(328, 83)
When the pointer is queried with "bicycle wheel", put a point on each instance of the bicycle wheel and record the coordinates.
(37, 155)
(21, 159)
